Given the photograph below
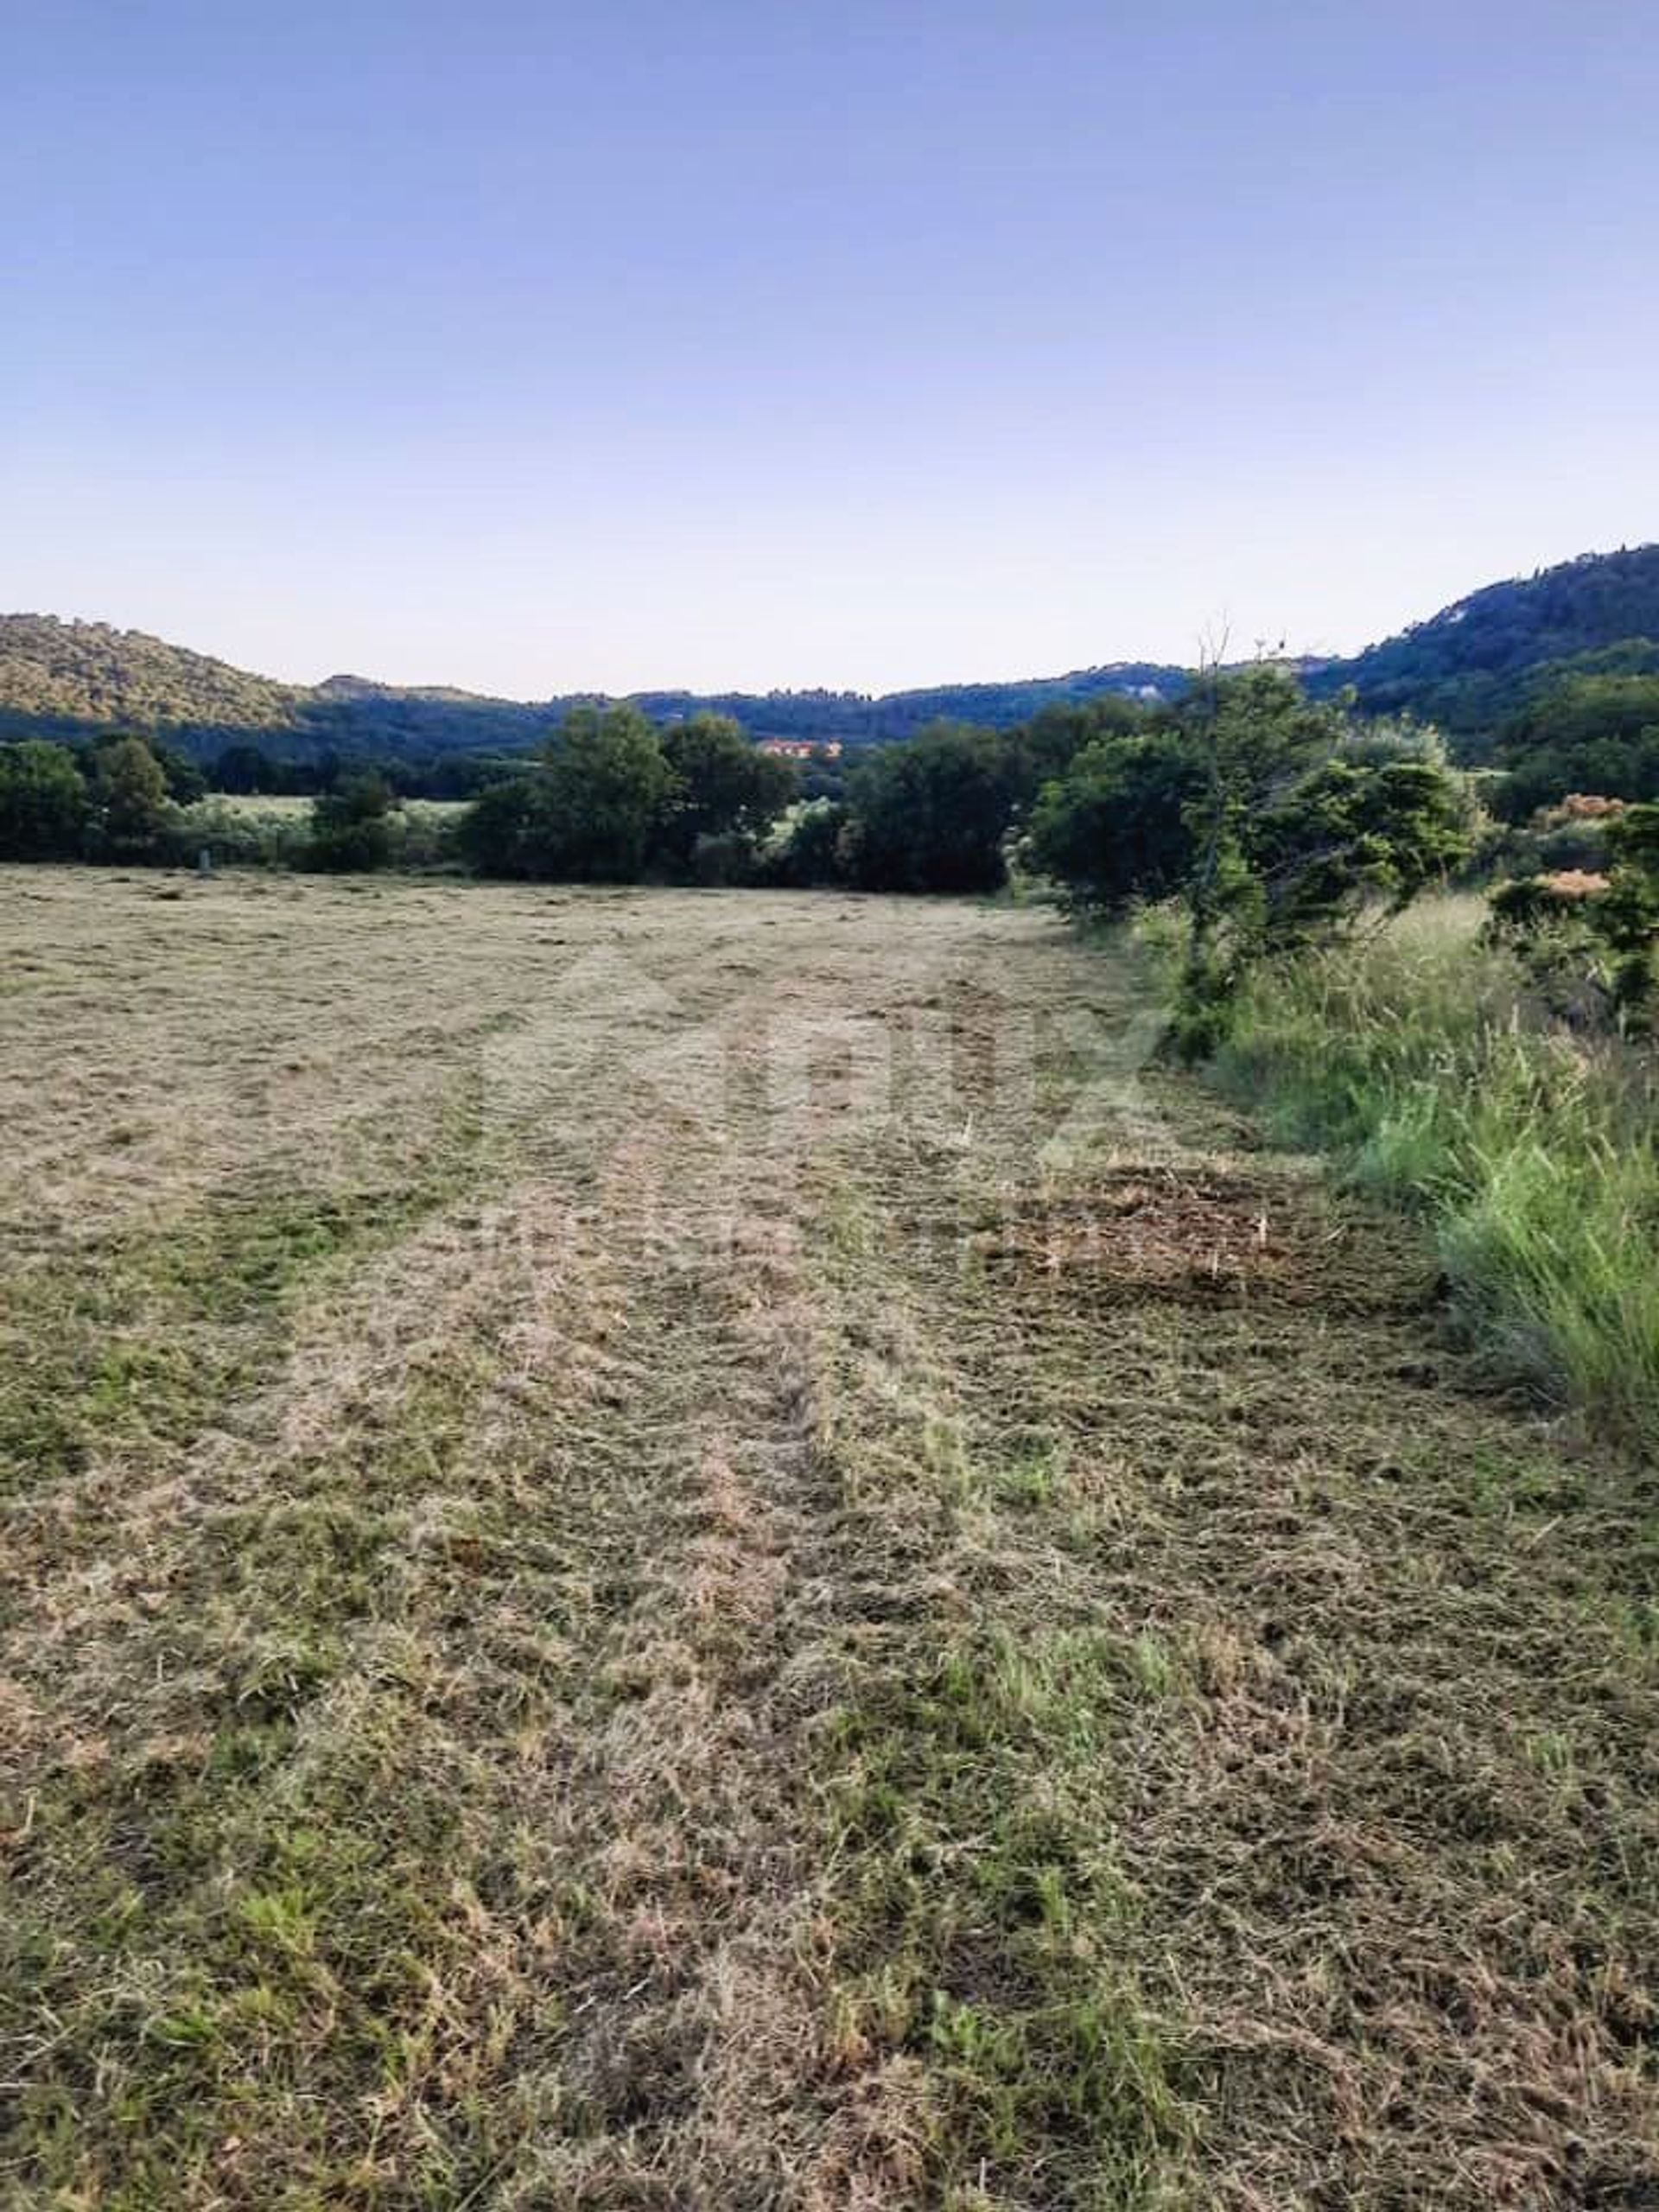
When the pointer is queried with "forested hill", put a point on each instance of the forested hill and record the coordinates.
(857, 718)
(1483, 659)
(74, 679)
(69, 679)
(85, 675)
(1474, 667)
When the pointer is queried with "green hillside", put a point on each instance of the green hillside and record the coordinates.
(61, 678)
(1505, 653)
(69, 679)
(74, 679)
(1487, 659)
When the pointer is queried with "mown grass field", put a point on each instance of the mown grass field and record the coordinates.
(704, 1550)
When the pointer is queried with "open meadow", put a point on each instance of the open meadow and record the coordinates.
(286, 807)
(714, 1551)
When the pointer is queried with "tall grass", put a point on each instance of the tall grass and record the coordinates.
(1420, 1057)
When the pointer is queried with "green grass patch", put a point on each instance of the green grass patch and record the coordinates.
(1419, 1055)
(135, 1336)
(984, 1924)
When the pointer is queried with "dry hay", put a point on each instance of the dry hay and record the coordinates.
(572, 1641)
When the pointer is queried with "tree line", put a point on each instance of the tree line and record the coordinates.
(111, 802)
(1271, 817)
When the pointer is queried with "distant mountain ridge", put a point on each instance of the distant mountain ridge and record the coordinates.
(72, 679)
(1484, 658)
(1471, 667)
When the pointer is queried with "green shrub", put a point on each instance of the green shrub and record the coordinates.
(726, 858)
(932, 814)
(351, 826)
(1602, 928)
(424, 837)
(1276, 821)
(806, 848)
(1116, 825)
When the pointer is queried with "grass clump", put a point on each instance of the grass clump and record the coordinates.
(983, 1924)
(1421, 1056)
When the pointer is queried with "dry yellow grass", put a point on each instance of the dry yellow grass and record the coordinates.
(674, 1549)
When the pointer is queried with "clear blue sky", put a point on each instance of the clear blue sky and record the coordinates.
(533, 346)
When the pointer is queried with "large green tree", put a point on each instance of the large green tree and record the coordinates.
(1272, 819)
(609, 783)
(932, 814)
(588, 812)
(44, 802)
(1114, 826)
(129, 787)
(723, 787)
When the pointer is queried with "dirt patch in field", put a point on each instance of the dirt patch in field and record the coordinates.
(1200, 1238)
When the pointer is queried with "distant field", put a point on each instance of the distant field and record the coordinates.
(706, 1551)
(253, 803)
(258, 802)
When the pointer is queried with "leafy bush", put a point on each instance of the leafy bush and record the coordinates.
(1273, 819)
(424, 837)
(721, 859)
(1603, 926)
(1116, 826)
(932, 814)
(236, 836)
(351, 828)
(805, 848)
(1571, 833)
(497, 835)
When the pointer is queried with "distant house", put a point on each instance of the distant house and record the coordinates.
(799, 748)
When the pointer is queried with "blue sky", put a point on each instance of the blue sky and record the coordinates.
(533, 347)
